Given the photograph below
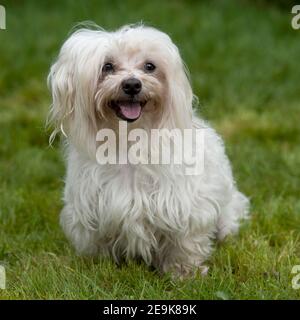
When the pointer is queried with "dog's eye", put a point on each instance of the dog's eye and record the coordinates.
(108, 67)
(149, 67)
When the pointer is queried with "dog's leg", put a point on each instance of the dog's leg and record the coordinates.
(184, 256)
(83, 239)
(237, 209)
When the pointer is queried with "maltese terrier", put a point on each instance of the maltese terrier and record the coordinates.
(150, 211)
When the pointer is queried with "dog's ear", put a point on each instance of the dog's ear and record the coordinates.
(73, 81)
(62, 87)
(180, 94)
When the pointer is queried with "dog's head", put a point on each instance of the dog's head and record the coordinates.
(134, 74)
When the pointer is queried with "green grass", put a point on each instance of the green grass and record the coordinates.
(244, 61)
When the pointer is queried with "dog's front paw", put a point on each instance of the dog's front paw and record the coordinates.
(181, 271)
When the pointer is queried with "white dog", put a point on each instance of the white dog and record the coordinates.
(153, 212)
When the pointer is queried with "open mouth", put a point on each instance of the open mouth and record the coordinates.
(129, 110)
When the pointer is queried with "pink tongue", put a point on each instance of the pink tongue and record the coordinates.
(130, 110)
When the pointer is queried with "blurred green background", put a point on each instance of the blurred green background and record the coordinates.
(244, 62)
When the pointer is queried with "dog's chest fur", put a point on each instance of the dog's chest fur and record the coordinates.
(142, 202)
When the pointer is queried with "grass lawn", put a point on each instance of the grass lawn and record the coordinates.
(244, 61)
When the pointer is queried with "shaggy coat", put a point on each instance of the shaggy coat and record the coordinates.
(153, 212)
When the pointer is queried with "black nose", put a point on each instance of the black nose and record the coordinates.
(132, 86)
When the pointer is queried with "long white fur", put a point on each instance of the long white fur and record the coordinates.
(153, 212)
